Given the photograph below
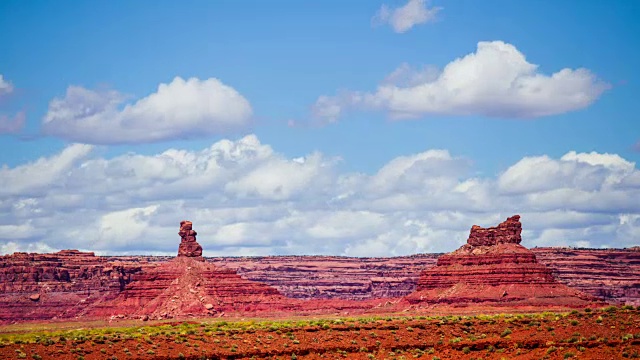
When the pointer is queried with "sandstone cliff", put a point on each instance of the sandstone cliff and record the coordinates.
(610, 274)
(333, 277)
(44, 286)
(71, 284)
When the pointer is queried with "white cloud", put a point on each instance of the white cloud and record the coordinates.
(495, 81)
(5, 86)
(403, 18)
(40, 176)
(11, 247)
(182, 108)
(577, 172)
(245, 198)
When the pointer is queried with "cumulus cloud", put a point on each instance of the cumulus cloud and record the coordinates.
(179, 109)
(38, 177)
(495, 81)
(245, 198)
(581, 182)
(403, 18)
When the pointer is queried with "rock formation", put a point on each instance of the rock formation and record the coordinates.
(494, 269)
(610, 274)
(187, 286)
(189, 247)
(45, 286)
(333, 277)
(507, 232)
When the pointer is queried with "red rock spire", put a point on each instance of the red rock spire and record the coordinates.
(189, 247)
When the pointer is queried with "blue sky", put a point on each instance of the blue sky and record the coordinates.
(351, 88)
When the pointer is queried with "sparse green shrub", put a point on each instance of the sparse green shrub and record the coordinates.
(506, 332)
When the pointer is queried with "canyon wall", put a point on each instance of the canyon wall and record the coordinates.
(39, 286)
(611, 274)
(332, 277)
(72, 283)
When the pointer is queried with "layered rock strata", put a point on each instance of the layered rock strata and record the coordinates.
(71, 283)
(610, 274)
(45, 286)
(187, 286)
(333, 277)
(492, 267)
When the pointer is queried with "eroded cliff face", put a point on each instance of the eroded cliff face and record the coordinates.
(610, 274)
(44, 286)
(70, 283)
(333, 277)
(493, 268)
(188, 286)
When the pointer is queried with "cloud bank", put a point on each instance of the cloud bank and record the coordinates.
(402, 19)
(247, 199)
(495, 81)
(179, 109)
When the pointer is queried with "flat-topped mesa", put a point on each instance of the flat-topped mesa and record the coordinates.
(189, 247)
(507, 232)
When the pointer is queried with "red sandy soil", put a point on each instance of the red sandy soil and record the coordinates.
(613, 334)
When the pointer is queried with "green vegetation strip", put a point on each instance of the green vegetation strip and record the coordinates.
(102, 335)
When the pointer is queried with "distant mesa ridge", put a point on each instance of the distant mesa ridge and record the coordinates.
(491, 269)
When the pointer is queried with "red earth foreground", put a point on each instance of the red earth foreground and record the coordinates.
(611, 333)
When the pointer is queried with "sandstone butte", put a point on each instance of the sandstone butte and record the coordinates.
(72, 284)
(492, 268)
